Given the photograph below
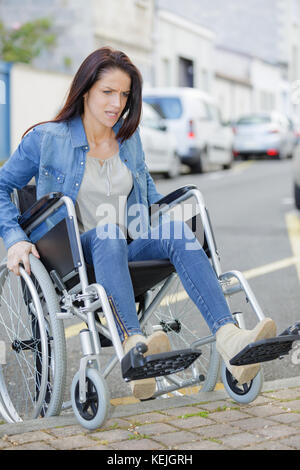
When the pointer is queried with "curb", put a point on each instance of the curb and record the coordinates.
(67, 418)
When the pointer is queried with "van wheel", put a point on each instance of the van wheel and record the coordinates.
(197, 167)
(297, 195)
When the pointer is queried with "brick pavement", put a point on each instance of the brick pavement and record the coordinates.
(193, 423)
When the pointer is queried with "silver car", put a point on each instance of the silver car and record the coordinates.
(263, 134)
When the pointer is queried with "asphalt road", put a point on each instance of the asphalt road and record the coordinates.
(255, 225)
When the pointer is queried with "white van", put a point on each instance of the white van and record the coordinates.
(203, 142)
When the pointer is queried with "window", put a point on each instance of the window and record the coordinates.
(169, 107)
(150, 118)
(254, 119)
(186, 72)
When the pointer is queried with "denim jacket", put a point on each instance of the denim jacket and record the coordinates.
(55, 154)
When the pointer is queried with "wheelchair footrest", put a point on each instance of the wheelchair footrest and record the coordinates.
(136, 366)
(265, 350)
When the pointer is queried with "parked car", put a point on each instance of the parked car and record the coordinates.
(159, 144)
(193, 117)
(263, 134)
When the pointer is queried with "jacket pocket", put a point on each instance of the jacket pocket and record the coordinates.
(51, 173)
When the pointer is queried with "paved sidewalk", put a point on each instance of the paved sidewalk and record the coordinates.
(206, 421)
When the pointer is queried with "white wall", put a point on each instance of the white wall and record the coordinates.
(126, 25)
(176, 37)
(233, 98)
(266, 80)
(35, 96)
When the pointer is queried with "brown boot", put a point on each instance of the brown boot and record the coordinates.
(157, 342)
(144, 388)
(230, 340)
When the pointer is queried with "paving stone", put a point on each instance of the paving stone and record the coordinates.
(265, 410)
(285, 394)
(277, 431)
(178, 437)
(228, 415)
(216, 430)
(137, 444)
(221, 404)
(269, 445)
(154, 428)
(292, 441)
(4, 444)
(29, 437)
(97, 447)
(112, 435)
(202, 445)
(32, 446)
(261, 399)
(67, 431)
(287, 418)
(254, 424)
(149, 418)
(240, 440)
(73, 442)
(181, 411)
(290, 405)
(113, 423)
(193, 421)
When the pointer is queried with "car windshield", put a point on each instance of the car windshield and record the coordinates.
(253, 120)
(168, 107)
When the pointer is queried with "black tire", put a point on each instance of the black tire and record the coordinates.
(297, 195)
(198, 166)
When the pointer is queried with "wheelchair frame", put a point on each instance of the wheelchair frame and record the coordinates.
(94, 295)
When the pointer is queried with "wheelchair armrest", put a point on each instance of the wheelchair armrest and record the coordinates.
(38, 208)
(171, 198)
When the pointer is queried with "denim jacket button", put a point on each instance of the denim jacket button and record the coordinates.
(76, 184)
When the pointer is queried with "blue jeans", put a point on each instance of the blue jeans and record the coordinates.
(110, 257)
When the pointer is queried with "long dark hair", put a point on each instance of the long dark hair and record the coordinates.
(89, 72)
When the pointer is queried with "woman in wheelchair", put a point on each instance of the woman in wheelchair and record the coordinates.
(92, 152)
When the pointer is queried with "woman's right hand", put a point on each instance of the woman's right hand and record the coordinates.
(19, 253)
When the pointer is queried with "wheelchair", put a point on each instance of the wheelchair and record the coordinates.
(62, 286)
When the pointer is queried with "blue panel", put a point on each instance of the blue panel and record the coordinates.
(4, 110)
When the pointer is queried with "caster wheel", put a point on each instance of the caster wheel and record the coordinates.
(245, 393)
(94, 411)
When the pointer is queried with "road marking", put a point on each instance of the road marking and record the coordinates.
(238, 167)
(74, 330)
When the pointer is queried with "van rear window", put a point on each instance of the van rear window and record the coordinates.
(168, 107)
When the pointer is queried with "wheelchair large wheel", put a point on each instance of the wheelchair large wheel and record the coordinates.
(32, 380)
(178, 316)
(94, 411)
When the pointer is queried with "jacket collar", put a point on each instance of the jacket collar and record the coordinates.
(77, 132)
